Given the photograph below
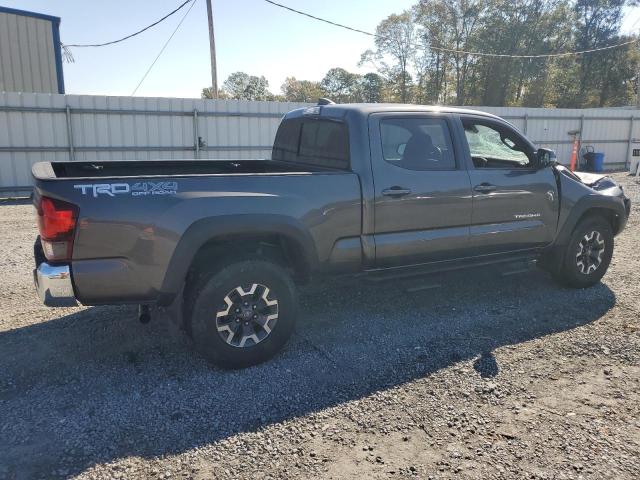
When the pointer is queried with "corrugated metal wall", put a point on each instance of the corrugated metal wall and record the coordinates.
(614, 131)
(27, 52)
(40, 127)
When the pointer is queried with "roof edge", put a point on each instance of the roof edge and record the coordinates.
(26, 13)
(374, 108)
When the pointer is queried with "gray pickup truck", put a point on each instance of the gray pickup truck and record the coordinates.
(370, 189)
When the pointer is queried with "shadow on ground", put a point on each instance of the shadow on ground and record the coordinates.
(96, 386)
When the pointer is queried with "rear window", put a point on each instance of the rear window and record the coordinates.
(313, 142)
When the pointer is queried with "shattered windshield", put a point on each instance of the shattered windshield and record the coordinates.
(486, 142)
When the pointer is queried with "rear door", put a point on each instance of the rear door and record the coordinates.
(422, 189)
(515, 203)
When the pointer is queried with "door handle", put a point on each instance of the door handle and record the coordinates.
(484, 188)
(396, 192)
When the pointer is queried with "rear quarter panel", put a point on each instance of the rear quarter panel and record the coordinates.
(124, 244)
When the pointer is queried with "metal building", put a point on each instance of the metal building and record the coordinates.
(30, 52)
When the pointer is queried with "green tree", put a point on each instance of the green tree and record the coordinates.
(372, 88)
(242, 86)
(341, 86)
(395, 52)
(294, 90)
(207, 92)
(453, 25)
(598, 24)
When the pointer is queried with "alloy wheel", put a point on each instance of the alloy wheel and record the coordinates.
(248, 316)
(589, 254)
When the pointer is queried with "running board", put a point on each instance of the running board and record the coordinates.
(518, 264)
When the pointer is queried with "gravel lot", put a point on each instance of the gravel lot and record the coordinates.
(488, 376)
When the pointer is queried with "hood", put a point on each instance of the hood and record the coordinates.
(597, 181)
(589, 179)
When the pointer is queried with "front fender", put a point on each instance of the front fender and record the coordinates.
(591, 203)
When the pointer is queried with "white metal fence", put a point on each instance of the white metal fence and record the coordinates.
(612, 131)
(41, 127)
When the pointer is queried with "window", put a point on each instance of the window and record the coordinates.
(285, 146)
(417, 143)
(496, 146)
(323, 143)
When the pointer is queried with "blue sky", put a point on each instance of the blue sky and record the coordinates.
(251, 36)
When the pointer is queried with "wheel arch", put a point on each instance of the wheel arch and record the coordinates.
(610, 208)
(287, 240)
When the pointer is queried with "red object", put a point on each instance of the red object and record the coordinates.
(574, 153)
(57, 224)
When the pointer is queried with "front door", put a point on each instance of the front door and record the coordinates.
(422, 191)
(515, 203)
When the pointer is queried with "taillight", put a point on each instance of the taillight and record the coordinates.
(57, 224)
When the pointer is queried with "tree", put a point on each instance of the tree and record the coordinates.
(372, 88)
(421, 55)
(207, 92)
(341, 86)
(395, 51)
(598, 24)
(241, 86)
(294, 90)
(451, 25)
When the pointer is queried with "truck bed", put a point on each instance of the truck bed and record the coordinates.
(164, 168)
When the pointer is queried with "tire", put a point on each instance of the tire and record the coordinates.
(242, 314)
(587, 255)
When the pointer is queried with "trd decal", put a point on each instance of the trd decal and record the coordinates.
(110, 189)
(138, 189)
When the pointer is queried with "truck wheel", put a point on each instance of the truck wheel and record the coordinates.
(243, 314)
(588, 254)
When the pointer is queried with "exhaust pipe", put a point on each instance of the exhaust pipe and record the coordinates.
(144, 314)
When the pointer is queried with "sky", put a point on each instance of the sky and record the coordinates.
(251, 36)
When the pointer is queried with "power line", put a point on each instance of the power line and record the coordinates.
(320, 19)
(163, 47)
(451, 50)
(128, 36)
(544, 55)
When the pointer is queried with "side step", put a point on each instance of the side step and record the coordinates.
(506, 266)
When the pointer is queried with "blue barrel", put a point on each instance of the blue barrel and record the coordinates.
(598, 162)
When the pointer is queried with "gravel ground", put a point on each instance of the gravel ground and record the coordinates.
(488, 376)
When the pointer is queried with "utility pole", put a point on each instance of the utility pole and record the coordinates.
(212, 47)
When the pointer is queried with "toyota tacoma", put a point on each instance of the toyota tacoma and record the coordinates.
(370, 189)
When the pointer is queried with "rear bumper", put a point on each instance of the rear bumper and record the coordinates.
(53, 285)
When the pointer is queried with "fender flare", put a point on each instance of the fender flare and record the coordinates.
(582, 206)
(204, 230)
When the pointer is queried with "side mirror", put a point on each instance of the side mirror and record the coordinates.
(546, 157)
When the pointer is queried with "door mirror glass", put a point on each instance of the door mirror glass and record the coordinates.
(546, 157)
